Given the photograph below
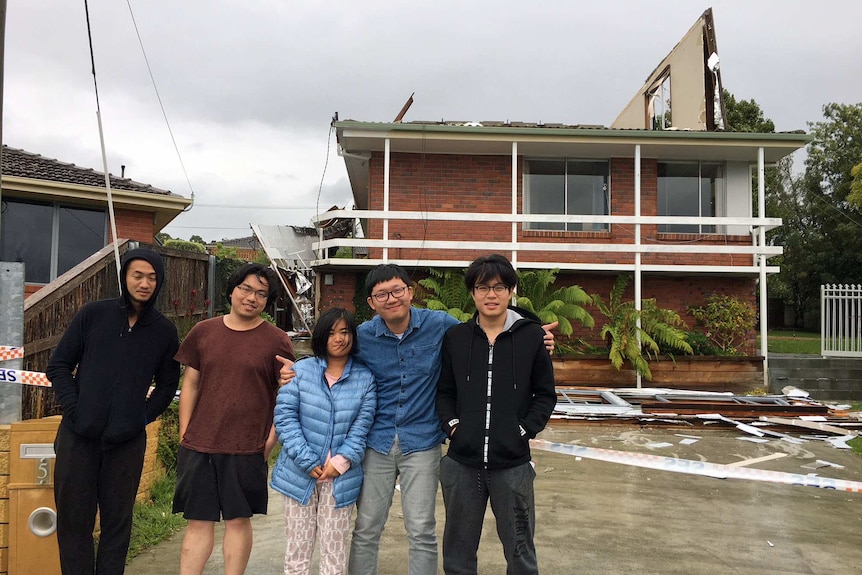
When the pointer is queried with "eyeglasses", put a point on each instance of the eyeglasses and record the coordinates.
(247, 290)
(498, 289)
(384, 295)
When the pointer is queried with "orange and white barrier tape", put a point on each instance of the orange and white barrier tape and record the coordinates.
(8, 352)
(697, 467)
(24, 377)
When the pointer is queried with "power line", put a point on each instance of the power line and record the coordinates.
(162, 106)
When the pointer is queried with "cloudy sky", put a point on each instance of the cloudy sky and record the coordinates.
(250, 87)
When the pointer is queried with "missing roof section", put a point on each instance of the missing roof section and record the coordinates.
(692, 70)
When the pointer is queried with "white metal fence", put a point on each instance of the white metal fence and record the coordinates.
(841, 320)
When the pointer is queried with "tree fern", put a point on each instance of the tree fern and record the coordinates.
(660, 329)
(536, 293)
(447, 292)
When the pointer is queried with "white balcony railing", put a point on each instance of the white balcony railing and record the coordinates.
(514, 247)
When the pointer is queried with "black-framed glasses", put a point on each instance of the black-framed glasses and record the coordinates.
(247, 290)
(498, 289)
(384, 295)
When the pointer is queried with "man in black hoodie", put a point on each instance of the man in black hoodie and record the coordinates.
(101, 372)
(496, 392)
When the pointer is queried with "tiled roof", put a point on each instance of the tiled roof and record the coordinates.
(24, 164)
(248, 242)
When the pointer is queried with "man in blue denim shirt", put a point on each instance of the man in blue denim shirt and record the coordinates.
(402, 347)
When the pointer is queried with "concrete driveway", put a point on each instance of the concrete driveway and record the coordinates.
(598, 517)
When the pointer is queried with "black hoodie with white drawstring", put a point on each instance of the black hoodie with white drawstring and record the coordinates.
(102, 369)
(492, 399)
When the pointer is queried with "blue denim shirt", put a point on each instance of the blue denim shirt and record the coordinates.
(406, 371)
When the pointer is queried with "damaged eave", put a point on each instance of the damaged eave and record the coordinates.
(360, 138)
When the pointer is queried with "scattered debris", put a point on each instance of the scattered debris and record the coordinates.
(771, 416)
(752, 461)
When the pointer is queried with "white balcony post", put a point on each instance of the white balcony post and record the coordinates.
(386, 197)
(638, 279)
(514, 202)
(761, 213)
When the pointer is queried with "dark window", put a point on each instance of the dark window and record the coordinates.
(82, 233)
(689, 189)
(26, 236)
(567, 187)
(49, 238)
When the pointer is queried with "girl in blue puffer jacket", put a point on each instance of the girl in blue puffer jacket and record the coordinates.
(322, 418)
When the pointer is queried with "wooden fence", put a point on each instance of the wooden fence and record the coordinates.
(183, 298)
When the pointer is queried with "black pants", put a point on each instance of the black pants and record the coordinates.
(87, 477)
(466, 491)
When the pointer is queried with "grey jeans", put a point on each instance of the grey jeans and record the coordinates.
(466, 491)
(419, 473)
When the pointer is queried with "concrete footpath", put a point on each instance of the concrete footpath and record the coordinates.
(599, 517)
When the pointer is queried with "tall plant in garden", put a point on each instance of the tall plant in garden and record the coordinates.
(726, 321)
(660, 328)
(536, 293)
(445, 290)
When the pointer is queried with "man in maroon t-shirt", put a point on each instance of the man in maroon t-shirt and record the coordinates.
(226, 408)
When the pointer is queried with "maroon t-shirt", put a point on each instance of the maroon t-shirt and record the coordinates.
(238, 385)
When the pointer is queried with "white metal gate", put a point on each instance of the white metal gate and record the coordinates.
(841, 320)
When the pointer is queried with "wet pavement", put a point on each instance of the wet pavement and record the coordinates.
(600, 517)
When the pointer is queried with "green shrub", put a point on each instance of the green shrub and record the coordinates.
(726, 321)
(701, 345)
(186, 246)
(169, 438)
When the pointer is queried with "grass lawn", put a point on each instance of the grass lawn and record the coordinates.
(792, 341)
(153, 521)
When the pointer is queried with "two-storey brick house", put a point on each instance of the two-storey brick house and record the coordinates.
(665, 194)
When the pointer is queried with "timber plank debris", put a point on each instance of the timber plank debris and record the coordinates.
(669, 407)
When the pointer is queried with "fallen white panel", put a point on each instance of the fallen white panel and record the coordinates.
(752, 461)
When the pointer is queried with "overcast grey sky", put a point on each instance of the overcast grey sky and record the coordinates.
(250, 86)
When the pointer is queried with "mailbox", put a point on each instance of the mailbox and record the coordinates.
(32, 513)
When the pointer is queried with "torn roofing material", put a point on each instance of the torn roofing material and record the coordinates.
(684, 92)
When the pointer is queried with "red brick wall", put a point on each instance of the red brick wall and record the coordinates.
(134, 225)
(483, 184)
(340, 293)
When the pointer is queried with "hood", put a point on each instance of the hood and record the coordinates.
(158, 264)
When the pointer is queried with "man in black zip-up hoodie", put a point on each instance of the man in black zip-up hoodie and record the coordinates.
(101, 373)
(496, 392)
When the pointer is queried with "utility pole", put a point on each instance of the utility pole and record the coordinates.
(11, 285)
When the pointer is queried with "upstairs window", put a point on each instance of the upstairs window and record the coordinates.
(49, 238)
(689, 189)
(566, 187)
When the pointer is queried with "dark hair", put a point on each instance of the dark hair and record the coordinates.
(488, 267)
(261, 272)
(320, 335)
(384, 273)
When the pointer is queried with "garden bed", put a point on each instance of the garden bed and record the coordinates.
(737, 374)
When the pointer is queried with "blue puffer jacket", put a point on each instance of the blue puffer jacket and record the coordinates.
(312, 419)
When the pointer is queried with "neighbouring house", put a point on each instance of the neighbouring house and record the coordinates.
(55, 214)
(247, 248)
(665, 193)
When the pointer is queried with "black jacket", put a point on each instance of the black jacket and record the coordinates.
(521, 399)
(106, 398)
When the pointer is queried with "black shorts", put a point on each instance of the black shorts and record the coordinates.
(216, 485)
